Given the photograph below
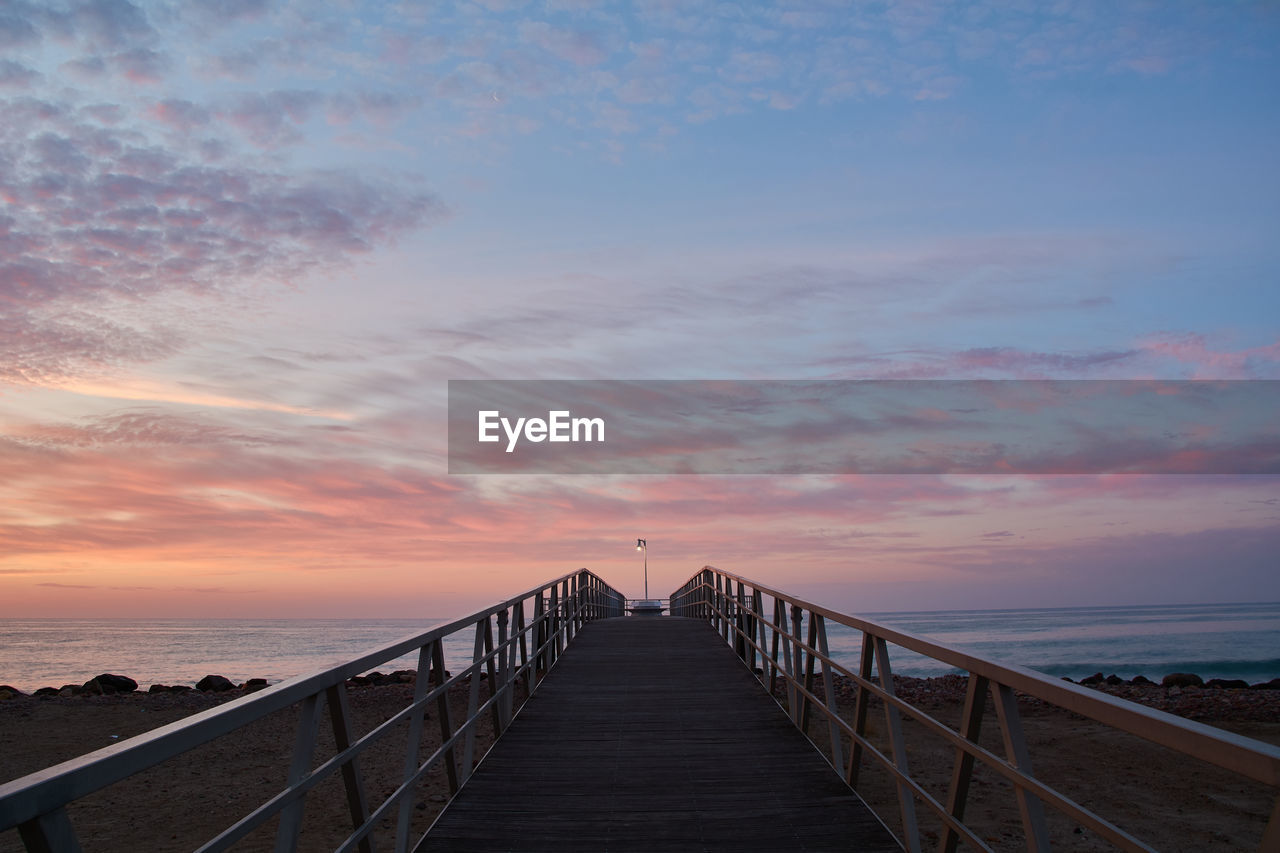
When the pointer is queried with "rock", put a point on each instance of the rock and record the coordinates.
(404, 676)
(7, 692)
(70, 690)
(254, 684)
(1227, 683)
(215, 684)
(1273, 684)
(158, 688)
(1113, 679)
(46, 691)
(107, 684)
(1141, 679)
(358, 681)
(1091, 680)
(1182, 679)
(180, 688)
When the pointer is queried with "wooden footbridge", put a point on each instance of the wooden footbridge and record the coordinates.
(719, 727)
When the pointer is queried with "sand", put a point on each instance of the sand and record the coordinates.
(1168, 800)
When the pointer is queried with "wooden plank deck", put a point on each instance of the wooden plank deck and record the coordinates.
(651, 735)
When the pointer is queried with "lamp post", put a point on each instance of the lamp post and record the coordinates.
(643, 545)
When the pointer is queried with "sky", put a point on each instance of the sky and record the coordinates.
(245, 244)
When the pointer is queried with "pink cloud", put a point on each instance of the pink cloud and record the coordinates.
(581, 47)
(275, 118)
(181, 114)
(1205, 362)
(123, 496)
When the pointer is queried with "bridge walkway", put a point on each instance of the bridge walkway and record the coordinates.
(650, 735)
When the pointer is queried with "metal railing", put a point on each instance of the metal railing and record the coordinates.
(791, 640)
(532, 628)
(648, 604)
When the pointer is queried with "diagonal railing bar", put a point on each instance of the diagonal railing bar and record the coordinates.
(36, 804)
(518, 629)
(303, 748)
(1015, 747)
(782, 649)
(413, 745)
(443, 714)
(260, 815)
(473, 704)
(797, 667)
(1088, 819)
(898, 749)
(862, 705)
(50, 833)
(340, 718)
(995, 762)
(970, 727)
(829, 688)
(507, 695)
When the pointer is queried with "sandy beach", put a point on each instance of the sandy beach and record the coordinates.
(183, 803)
(1166, 799)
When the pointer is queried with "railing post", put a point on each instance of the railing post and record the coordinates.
(893, 722)
(1015, 745)
(1271, 835)
(785, 654)
(740, 625)
(801, 703)
(861, 705)
(421, 686)
(809, 660)
(491, 671)
(829, 688)
(50, 833)
(975, 703)
(757, 628)
(592, 611)
(442, 713)
(340, 719)
(567, 619)
(718, 610)
(553, 626)
(303, 747)
(504, 673)
(517, 628)
(473, 703)
(579, 609)
(539, 638)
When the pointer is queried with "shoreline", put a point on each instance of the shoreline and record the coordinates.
(109, 684)
(1179, 799)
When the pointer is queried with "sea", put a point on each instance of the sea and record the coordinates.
(1213, 640)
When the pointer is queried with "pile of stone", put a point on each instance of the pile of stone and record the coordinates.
(1181, 679)
(109, 684)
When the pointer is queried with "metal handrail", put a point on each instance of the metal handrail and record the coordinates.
(735, 607)
(524, 650)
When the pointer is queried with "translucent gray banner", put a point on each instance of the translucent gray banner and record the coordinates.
(864, 427)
